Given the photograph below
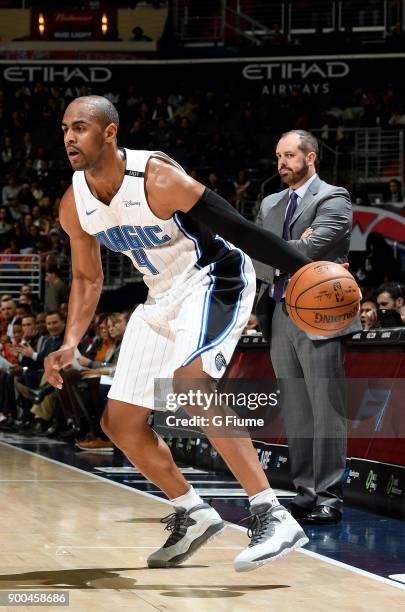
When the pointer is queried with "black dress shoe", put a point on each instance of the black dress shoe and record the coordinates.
(323, 515)
(298, 512)
(37, 395)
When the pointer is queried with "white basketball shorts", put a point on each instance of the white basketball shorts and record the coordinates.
(203, 318)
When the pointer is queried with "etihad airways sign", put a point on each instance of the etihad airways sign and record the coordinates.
(285, 71)
(57, 74)
(283, 78)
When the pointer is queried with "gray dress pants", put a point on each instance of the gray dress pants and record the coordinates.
(313, 402)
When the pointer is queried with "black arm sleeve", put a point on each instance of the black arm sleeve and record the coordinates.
(223, 219)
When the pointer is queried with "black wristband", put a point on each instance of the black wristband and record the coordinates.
(217, 214)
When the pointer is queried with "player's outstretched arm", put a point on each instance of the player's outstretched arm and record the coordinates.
(169, 189)
(87, 274)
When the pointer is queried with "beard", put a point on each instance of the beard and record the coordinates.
(295, 177)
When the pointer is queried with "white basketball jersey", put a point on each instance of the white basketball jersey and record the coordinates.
(165, 252)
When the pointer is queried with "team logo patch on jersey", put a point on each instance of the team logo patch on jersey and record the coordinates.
(128, 203)
(220, 362)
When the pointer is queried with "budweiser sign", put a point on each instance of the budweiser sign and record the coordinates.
(83, 18)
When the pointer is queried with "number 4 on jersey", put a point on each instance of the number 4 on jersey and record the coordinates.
(142, 260)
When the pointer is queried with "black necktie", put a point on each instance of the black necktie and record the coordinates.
(280, 282)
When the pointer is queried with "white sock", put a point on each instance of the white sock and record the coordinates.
(264, 497)
(188, 500)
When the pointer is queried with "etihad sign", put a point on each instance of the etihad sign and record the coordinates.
(52, 74)
(291, 70)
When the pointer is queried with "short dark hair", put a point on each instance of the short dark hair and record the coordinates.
(26, 308)
(396, 182)
(396, 290)
(371, 300)
(103, 109)
(52, 269)
(54, 312)
(308, 142)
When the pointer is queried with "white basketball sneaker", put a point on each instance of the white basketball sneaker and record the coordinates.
(274, 533)
(189, 531)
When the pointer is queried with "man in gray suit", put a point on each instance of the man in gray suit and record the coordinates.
(316, 218)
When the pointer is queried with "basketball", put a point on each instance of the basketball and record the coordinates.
(322, 298)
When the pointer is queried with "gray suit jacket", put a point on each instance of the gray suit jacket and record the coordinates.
(328, 210)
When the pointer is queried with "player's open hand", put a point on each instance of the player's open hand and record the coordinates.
(55, 362)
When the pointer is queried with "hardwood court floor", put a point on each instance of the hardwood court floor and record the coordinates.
(61, 529)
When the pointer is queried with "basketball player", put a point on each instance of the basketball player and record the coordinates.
(201, 291)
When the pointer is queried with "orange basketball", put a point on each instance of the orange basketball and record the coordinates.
(322, 298)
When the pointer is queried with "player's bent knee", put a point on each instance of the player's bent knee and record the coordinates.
(196, 389)
(192, 377)
(120, 421)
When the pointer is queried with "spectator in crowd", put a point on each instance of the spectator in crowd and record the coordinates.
(213, 182)
(40, 325)
(10, 345)
(394, 192)
(55, 326)
(276, 37)
(8, 313)
(101, 348)
(10, 191)
(398, 117)
(8, 154)
(162, 110)
(37, 191)
(22, 310)
(27, 147)
(26, 300)
(27, 173)
(27, 297)
(391, 296)
(368, 314)
(5, 227)
(388, 310)
(33, 384)
(252, 326)
(7, 390)
(161, 135)
(139, 35)
(116, 324)
(241, 189)
(56, 290)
